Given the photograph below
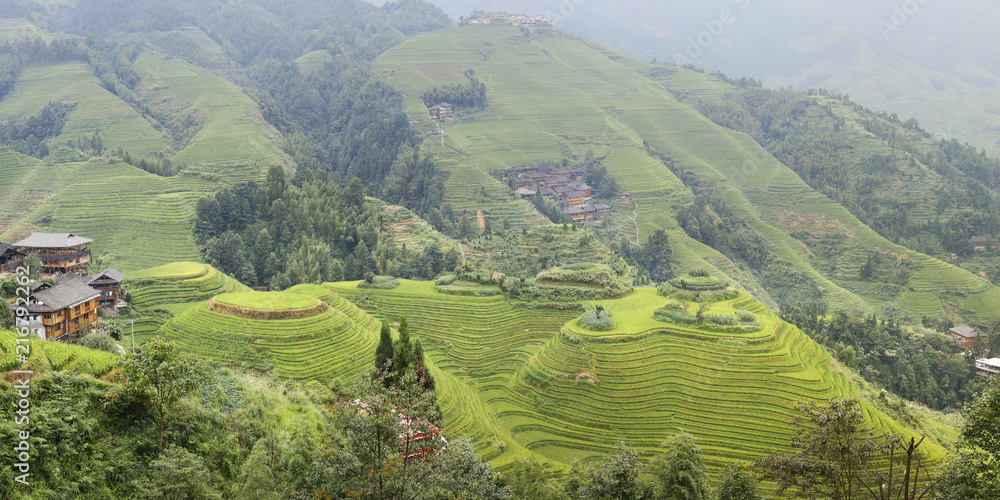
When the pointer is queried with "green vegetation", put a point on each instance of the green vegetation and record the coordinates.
(267, 301)
(528, 382)
(597, 319)
(44, 356)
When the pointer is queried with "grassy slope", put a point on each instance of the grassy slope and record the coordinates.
(554, 94)
(116, 205)
(541, 109)
(233, 132)
(784, 201)
(527, 382)
(96, 108)
(48, 355)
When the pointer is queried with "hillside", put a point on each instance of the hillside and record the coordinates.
(553, 95)
(523, 381)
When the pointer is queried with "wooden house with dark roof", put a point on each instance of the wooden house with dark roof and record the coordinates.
(109, 285)
(575, 198)
(983, 243)
(965, 335)
(10, 258)
(65, 311)
(59, 252)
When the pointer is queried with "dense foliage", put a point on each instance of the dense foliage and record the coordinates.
(471, 94)
(811, 137)
(924, 367)
(280, 234)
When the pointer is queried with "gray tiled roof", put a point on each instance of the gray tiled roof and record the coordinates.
(53, 240)
(5, 247)
(66, 294)
(965, 331)
(109, 274)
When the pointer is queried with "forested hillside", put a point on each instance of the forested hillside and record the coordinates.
(285, 183)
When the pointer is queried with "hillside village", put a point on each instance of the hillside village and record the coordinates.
(65, 299)
(563, 186)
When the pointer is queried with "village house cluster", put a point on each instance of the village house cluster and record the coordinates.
(564, 186)
(64, 301)
(506, 18)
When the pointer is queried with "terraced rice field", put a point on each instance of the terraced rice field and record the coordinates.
(96, 108)
(233, 131)
(179, 282)
(553, 95)
(523, 381)
(50, 355)
(334, 343)
(136, 219)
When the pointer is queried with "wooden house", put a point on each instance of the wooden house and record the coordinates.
(526, 194)
(59, 252)
(63, 312)
(556, 181)
(983, 243)
(965, 335)
(577, 214)
(602, 209)
(584, 188)
(10, 258)
(575, 198)
(109, 285)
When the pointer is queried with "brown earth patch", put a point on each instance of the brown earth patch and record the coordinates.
(243, 312)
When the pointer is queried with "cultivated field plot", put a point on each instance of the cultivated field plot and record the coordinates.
(334, 343)
(50, 355)
(526, 381)
(96, 108)
(551, 95)
(135, 218)
(233, 132)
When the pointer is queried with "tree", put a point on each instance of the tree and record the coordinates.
(366, 460)
(157, 375)
(974, 472)
(529, 479)
(383, 353)
(737, 482)
(834, 454)
(655, 254)
(6, 316)
(34, 265)
(679, 472)
(615, 477)
(704, 304)
(176, 474)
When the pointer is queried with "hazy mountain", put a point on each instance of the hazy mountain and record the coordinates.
(927, 59)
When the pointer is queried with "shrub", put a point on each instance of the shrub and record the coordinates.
(721, 319)
(752, 326)
(746, 316)
(669, 316)
(446, 280)
(379, 282)
(599, 320)
(721, 295)
(100, 342)
(699, 273)
(665, 289)
(671, 305)
(579, 266)
(698, 284)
